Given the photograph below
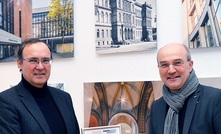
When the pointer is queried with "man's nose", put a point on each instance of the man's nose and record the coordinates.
(39, 65)
(171, 69)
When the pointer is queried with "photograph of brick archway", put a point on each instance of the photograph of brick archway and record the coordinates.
(120, 103)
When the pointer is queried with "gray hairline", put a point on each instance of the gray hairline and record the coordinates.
(187, 50)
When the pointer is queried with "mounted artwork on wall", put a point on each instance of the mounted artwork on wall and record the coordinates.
(125, 26)
(120, 103)
(41, 19)
(201, 23)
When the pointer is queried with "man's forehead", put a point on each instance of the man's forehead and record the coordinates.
(172, 60)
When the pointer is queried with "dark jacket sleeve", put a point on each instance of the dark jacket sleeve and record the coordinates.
(9, 118)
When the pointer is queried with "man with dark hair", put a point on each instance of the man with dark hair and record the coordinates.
(186, 107)
(33, 107)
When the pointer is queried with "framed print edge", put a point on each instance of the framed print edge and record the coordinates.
(112, 129)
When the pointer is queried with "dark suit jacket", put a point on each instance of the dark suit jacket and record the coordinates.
(20, 114)
(203, 113)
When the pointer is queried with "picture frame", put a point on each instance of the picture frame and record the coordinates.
(125, 103)
(125, 26)
(36, 20)
(201, 23)
(113, 129)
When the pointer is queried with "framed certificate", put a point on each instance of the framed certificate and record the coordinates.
(113, 129)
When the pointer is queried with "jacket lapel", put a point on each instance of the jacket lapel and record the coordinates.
(31, 105)
(162, 116)
(62, 106)
(193, 100)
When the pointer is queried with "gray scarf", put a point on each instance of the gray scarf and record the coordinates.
(176, 102)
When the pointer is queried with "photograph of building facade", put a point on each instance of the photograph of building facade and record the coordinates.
(15, 26)
(19, 21)
(202, 23)
(122, 23)
(57, 30)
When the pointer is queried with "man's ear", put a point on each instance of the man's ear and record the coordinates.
(191, 65)
(19, 64)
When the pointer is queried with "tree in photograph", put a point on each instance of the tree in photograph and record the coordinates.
(61, 17)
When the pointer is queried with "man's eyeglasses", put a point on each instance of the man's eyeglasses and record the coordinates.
(35, 61)
(175, 64)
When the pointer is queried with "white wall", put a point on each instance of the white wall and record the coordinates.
(87, 66)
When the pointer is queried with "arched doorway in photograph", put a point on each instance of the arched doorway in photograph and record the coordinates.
(127, 122)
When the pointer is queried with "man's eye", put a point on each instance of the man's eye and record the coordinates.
(46, 60)
(33, 60)
(178, 63)
(164, 65)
